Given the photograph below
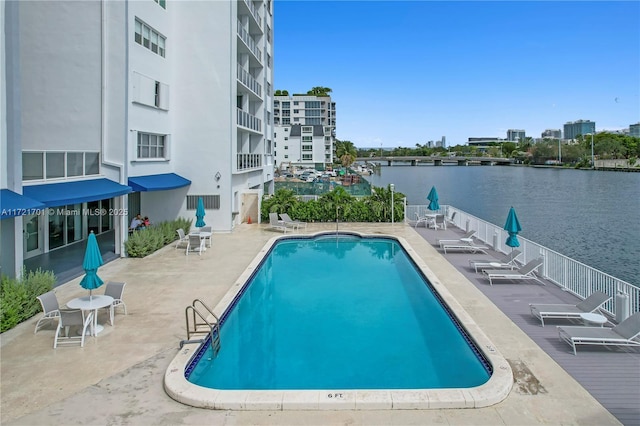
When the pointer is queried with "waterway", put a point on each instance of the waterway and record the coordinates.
(590, 216)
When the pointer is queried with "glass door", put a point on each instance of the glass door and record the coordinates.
(33, 244)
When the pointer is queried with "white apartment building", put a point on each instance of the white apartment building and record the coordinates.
(305, 130)
(126, 107)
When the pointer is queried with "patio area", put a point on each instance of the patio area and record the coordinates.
(123, 367)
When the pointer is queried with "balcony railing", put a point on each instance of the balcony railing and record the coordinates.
(249, 161)
(569, 274)
(247, 79)
(249, 42)
(254, 12)
(249, 121)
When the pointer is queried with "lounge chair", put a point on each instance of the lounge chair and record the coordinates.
(275, 223)
(623, 334)
(590, 304)
(195, 243)
(527, 272)
(295, 224)
(50, 308)
(462, 239)
(469, 247)
(506, 261)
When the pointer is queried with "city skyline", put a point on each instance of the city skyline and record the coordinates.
(462, 69)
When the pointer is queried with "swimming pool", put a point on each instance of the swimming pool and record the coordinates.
(333, 320)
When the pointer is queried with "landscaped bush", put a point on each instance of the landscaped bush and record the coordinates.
(146, 241)
(373, 208)
(18, 296)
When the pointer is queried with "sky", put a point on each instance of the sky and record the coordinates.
(406, 72)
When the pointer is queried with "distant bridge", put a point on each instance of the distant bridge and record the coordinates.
(438, 161)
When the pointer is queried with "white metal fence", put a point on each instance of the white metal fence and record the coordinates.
(567, 273)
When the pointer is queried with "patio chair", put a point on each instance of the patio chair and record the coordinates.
(623, 334)
(50, 308)
(568, 311)
(296, 224)
(72, 318)
(115, 290)
(275, 223)
(208, 229)
(506, 261)
(195, 243)
(527, 272)
(182, 238)
(462, 239)
(451, 219)
(427, 220)
(439, 222)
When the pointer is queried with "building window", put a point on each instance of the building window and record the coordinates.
(286, 147)
(307, 129)
(307, 147)
(151, 145)
(286, 104)
(286, 138)
(162, 3)
(286, 156)
(307, 156)
(307, 139)
(59, 164)
(211, 202)
(149, 38)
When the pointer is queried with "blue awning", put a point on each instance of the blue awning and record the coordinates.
(60, 194)
(13, 204)
(161, 182)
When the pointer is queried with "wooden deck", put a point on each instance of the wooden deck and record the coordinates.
(610, 374)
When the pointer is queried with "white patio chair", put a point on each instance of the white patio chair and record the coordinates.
(72, 318)
(195, 243)
(115, 290)
(182, 238)
(50, 308)
(208, 229)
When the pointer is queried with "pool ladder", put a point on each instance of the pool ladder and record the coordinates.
(199, 324)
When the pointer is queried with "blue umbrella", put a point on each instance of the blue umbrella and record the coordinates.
(512, 226)
(92, 261)
(433, 198)
(200, 213)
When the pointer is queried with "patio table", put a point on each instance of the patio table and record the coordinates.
(92, 303)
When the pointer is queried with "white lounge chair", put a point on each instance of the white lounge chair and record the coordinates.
(624, 334)
(469, 247)
(527, 272)
(295, 224)
(506, 261)
(463, 239)
(275, 223)
(50, 308)
(590, 304)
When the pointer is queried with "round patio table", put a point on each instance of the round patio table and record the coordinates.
(91, 303)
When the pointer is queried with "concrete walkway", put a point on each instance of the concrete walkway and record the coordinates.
(117, 377)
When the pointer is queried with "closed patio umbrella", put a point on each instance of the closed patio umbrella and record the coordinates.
(92, 261)
(512, 226)
(200, 213)
(433, 199)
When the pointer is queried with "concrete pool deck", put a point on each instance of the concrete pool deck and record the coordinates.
(117, 378)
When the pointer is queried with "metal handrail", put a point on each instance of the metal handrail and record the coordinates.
(214, 328)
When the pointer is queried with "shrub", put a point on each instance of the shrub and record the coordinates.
(146, 241)
(18, 296)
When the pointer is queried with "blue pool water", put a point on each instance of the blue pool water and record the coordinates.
(339, 313)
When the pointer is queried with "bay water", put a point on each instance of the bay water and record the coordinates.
(590, 216)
